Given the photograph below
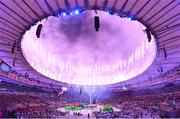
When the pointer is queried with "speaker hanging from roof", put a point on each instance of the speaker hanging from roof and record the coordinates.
(80, 91)
(96, 23)
(160, 69)
(14, 61)
(13, 47)
(38, 30)
(165, 53)
(26, 75)
(148, 34)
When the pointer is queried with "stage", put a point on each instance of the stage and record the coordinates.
(79, 110)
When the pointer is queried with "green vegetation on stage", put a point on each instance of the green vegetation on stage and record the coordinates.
(76, 107)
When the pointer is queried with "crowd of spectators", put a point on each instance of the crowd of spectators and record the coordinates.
(138, 111)
(146, 106)
(44, 105)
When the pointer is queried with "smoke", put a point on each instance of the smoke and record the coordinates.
(76, 35)
(71, 41)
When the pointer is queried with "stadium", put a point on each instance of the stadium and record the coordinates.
(89, 59)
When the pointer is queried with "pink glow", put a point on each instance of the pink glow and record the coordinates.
(70, 50)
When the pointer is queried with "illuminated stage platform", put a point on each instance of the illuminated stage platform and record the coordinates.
(88, 109)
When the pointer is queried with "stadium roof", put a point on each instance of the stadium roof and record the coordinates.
(161, 16)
